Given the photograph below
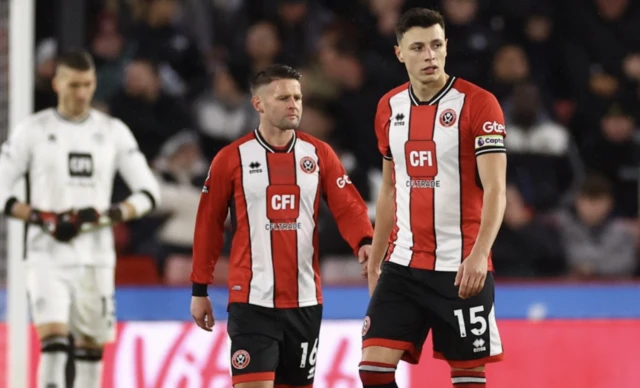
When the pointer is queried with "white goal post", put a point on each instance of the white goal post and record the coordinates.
(21, 89)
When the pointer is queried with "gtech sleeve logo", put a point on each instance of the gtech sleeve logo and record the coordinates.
(343, 181)
(493, 126)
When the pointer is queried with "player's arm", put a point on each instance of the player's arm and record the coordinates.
(208, 238)
(488, 130)
(135, 170)
(384, 218)
(491, 160)
(347, 206)
(492, 169)
(385, 203)
(15, 156)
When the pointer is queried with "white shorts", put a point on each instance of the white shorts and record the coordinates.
(81, 296)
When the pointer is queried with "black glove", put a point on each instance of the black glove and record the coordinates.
(115, 214)
(62, 226)
(87, 215)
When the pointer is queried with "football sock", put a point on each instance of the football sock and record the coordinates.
(51, 369)
(378, 375)
(88, 368)
(468, 379)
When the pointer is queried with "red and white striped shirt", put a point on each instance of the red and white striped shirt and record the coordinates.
(274, 196)
(433, 146)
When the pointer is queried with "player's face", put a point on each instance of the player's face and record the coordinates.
(75, 89)
(280, 103)
(424, 52)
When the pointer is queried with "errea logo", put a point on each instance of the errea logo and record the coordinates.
(254, 168)
(399, 120)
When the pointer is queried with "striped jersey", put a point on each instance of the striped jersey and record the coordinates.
(433, 147)
(274, 197)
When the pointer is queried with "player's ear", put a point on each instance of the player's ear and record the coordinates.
(257, 104)
(55, 83)
(396, 48)
(446, 42)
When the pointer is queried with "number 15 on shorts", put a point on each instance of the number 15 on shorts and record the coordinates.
(474, 319)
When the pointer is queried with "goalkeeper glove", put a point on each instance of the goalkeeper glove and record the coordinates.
(62, 226)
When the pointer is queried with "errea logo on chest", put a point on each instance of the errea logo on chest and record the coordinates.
(398, 120)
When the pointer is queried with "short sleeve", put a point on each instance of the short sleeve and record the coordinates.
(487, 124)
(383, 115)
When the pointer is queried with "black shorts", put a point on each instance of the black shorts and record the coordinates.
(407, 303)
(269, 344)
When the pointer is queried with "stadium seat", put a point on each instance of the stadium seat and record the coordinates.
(137, 270)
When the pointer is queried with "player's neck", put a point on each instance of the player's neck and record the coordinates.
(71, 116)
(426, 92)
(275, 136)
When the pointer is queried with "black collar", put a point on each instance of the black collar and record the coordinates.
(437, 97)
(270, 148)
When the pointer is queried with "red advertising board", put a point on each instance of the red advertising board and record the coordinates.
(586, 354)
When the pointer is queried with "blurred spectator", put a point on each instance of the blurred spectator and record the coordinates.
(300, 23)
(152, 115)
(181, 66)
(510, 66)
(606, 31)
(527, 244)
(611, 150)
(108, 49)
(470, 45)
(46, 53)
(544, 46)
(356, 105)
(262, 48)
(596, 245)
(375, 34)
(542, 157)
(181, 170)
(225, 112)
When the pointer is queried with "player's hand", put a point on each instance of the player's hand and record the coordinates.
(116, 214)
(363, 258)
(471, 275)
(373, 274)
(62, 226)
(87, 215)
(202, 312)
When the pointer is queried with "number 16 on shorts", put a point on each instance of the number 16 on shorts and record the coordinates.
(311, 357)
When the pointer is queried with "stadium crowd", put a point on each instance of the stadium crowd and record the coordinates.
(567, 75)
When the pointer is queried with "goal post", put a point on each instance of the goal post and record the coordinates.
(21, 89)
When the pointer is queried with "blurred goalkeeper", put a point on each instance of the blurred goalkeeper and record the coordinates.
(70, 155)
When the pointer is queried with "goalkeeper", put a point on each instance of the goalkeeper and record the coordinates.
(70, 155)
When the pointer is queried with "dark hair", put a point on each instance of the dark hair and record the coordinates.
(417, 17)
(273, 73)
(595, 186)
(76, 60)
